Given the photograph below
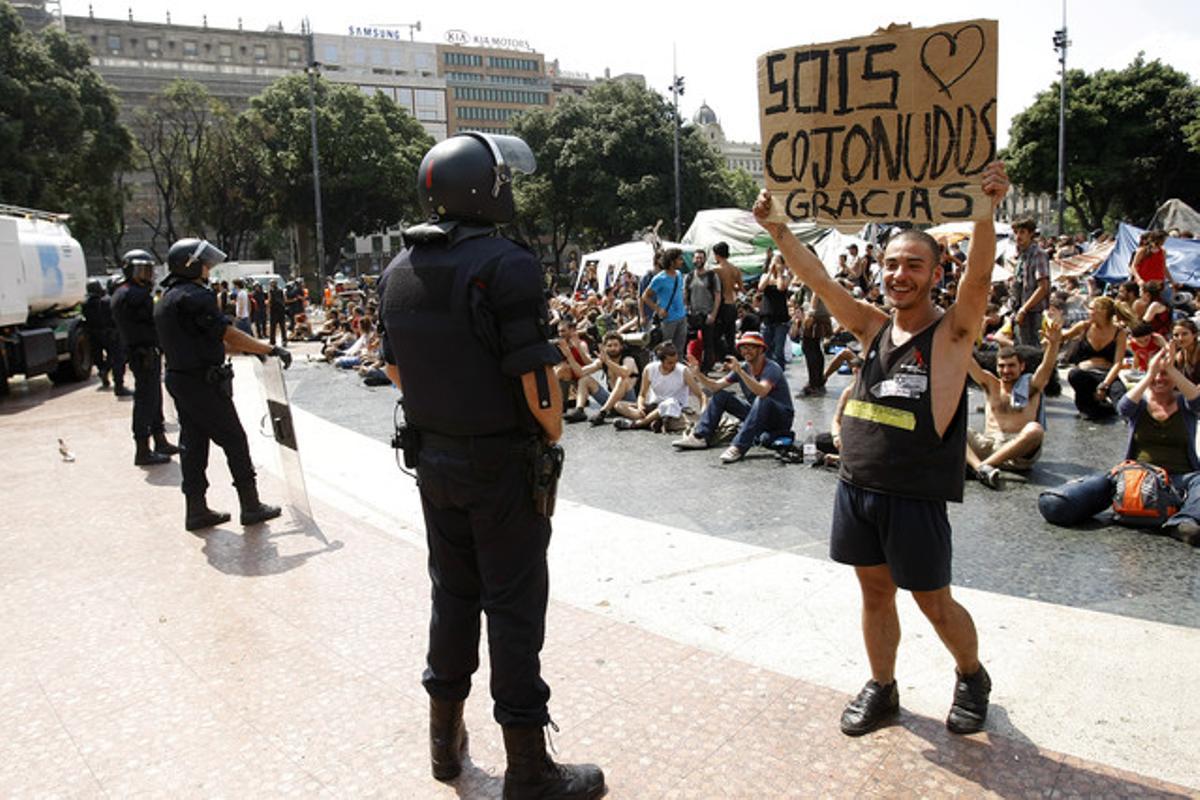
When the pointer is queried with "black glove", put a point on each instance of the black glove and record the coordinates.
(283, 355)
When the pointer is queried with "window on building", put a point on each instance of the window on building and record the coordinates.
(404, 99)
(376, 244)
(423, 60)
(114, 43)
(430, 104)
(190, 47)
(330, 54)
(153, 45)
(225, 51)
(394, 244)
(260, 52)
(293, 55)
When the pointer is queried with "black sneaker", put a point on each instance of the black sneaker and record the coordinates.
(969, 711)
(875, 705)
(576, 414)
(623, 425)
(599, 418)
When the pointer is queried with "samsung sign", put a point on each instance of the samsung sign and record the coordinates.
(464, 39)
(378, 33)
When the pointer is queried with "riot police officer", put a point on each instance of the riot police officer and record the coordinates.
(107, 352)
(194, 334)
(133, 312)
(466, 339)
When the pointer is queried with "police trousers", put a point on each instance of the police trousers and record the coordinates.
(487, 552)
(146, 366)
(207, 414)
(108, 354)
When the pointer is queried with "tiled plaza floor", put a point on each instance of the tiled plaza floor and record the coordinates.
(138, 659)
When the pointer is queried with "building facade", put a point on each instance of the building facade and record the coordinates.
(744, 156)
(405, 71)
(486, 87)
(139, 59)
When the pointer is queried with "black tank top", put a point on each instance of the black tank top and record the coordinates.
(1085, 351)
(889, 441)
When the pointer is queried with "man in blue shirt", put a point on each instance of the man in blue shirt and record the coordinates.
(664, 296)
(767, 407)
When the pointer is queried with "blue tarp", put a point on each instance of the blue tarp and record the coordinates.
(1183, 258)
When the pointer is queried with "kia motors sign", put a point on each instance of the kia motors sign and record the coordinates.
(459, 37)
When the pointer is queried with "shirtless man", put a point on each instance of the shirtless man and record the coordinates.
(904, 451)
(731, 285)
(619, 372)
(1012, 428)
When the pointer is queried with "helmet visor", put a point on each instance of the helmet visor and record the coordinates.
(206, 254)
(511, 152)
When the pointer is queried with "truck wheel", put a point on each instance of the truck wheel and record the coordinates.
(79, 366)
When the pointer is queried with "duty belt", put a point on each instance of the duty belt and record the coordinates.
(464, 444)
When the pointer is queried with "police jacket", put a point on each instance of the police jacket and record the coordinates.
(464, 317)
(97, 315)
(133, 311)
(191, 328)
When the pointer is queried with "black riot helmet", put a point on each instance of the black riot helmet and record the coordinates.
(188, 257)
(95, 288)
(468, 178)
(138, 265)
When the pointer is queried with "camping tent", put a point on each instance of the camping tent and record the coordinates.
(748, 242)
(1183, 258)
(637, 257)
(1176, 214)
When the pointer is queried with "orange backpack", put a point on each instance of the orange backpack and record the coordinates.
(1142, 494)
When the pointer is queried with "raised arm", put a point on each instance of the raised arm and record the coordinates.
(966, 312)
(1045, 370)
(859, 317)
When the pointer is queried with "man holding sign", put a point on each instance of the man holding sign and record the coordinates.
(903, 450)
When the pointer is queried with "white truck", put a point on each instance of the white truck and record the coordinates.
(43, 279)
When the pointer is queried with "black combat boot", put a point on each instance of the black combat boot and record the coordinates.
(120, 391)
(255, 511)
(199, 515)
(447, 738)
(533, 774)
(145, 457)
(162, 446)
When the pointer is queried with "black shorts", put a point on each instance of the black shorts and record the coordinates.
(911, 536)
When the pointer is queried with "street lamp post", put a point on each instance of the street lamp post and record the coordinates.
(1060, 44)
(314, 69)
(676, 90)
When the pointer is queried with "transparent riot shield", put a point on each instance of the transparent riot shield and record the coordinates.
(277, 423)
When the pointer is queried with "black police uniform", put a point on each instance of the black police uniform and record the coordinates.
(463, 320)
(107, 352)
(133, 311)
(276, 309)
(190, 329)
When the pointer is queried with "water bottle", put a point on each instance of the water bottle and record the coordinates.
(810, 442)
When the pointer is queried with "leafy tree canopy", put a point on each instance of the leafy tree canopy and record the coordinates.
(1133, 142)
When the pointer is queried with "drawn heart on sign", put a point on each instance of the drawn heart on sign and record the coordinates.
(961, 55)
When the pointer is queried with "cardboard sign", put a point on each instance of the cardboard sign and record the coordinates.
(895, 126)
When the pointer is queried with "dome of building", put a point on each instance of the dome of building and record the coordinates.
(705, 116)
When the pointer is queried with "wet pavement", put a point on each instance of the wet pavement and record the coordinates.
(1001, 542)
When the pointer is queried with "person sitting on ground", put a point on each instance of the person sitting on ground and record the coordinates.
(1098, 357)
(301, 330)
(1161, 411)
(1127, 294)
(607, 380)
(1187, 349)
(1143, 344)
(331, 325)
(577, 360)
(1151, 308)
(766, 409)
(364, 347)
(663, 397)
(338, 343)
(829, 445)
(1014, 421)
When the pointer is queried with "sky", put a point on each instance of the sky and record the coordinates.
(715, 48)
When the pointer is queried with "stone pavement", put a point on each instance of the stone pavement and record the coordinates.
(139, 659)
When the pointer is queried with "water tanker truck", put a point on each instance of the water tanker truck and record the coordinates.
(43, 279)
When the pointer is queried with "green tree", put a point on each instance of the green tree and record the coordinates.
(606, 169)
(370, 151)
(231, 190)
(1128, 147)
(62, 147)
